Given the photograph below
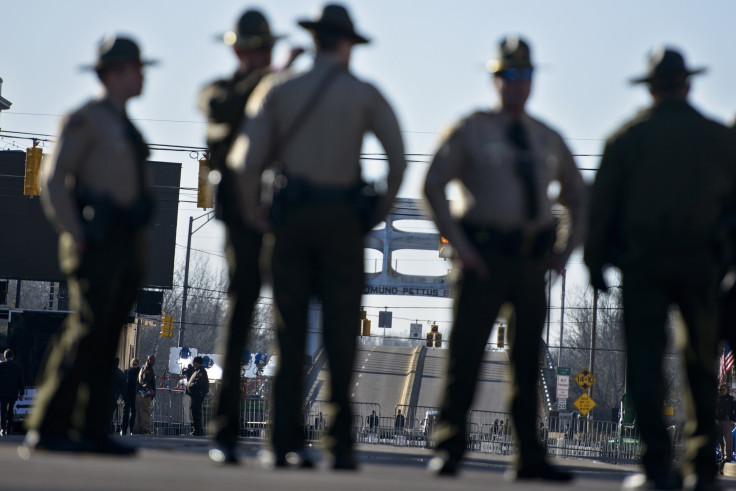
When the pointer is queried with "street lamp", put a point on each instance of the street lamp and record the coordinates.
(210, 215)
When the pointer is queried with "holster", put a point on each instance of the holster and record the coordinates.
(101, 218)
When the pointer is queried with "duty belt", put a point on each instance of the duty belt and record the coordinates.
(515, 242)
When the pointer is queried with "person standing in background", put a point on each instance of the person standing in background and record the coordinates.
(12, 388)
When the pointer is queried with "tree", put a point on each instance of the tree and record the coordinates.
(207, 307)
(610, 358)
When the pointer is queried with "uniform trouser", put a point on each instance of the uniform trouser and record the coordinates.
(128, 414)
(691, 283)
(318, 250)
(196, 408)
(103, 283)
(142, 423)
(6, 413)
(243, 246)
(519, 280)
(724, 429)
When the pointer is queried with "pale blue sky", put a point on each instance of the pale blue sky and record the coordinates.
(427, 57)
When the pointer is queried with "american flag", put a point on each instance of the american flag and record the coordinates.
(726, 363)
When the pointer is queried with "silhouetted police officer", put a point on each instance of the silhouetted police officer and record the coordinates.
(313, 125)
(506, 241)
(94, 192)
(657, 214)
(223, 102)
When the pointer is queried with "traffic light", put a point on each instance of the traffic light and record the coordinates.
(430, 339)
(438, 340)
(167, 326)
(434, 328)
(445, 249)
(501, 336)
(205, 192)
(31, 186)
(365, 325)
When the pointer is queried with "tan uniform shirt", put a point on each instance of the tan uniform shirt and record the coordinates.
(94, 151)
(325, 150)
(478, 153)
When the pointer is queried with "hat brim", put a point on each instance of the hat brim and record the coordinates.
(650, 78)
(97, 68)
(497, 66)
(321, 27)
(231, 39)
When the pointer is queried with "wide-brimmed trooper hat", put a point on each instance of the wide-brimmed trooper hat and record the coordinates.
(251, 32)
(666, 63)
(513, 52)
(116, 50)
(334, 19)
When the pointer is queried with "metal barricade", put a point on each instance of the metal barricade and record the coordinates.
(421, 422)
(255, 416)
(171, 415)
(603, 440)
(487, 431)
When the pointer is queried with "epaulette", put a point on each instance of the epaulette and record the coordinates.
(478, 114)
(78, 118)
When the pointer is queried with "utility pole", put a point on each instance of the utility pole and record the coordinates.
(182, 325)
(592, 343)
(562, 319)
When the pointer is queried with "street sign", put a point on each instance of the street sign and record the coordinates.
(562, 404)
(584, 403)
(384, 318)
(415, 331)
(585, 379)
(563, 370)
(563, 386)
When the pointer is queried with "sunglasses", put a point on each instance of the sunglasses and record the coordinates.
(513, 74)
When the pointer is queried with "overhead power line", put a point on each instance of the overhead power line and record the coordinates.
(166, 147)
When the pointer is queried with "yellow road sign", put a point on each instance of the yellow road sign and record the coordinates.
(585, 379)
(584, 403)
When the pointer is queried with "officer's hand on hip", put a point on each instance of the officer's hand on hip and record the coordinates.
(472, 262)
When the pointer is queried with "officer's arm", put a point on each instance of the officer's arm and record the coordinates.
(58, 177)
(386, 128)
(445, 167)
(219, 104)
(573, 196)
(252, 151)
(605, 211)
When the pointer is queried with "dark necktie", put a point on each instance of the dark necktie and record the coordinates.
(524, 167)
(143, 208)
(140, 148)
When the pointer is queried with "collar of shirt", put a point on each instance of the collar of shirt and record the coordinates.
(325, 61)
